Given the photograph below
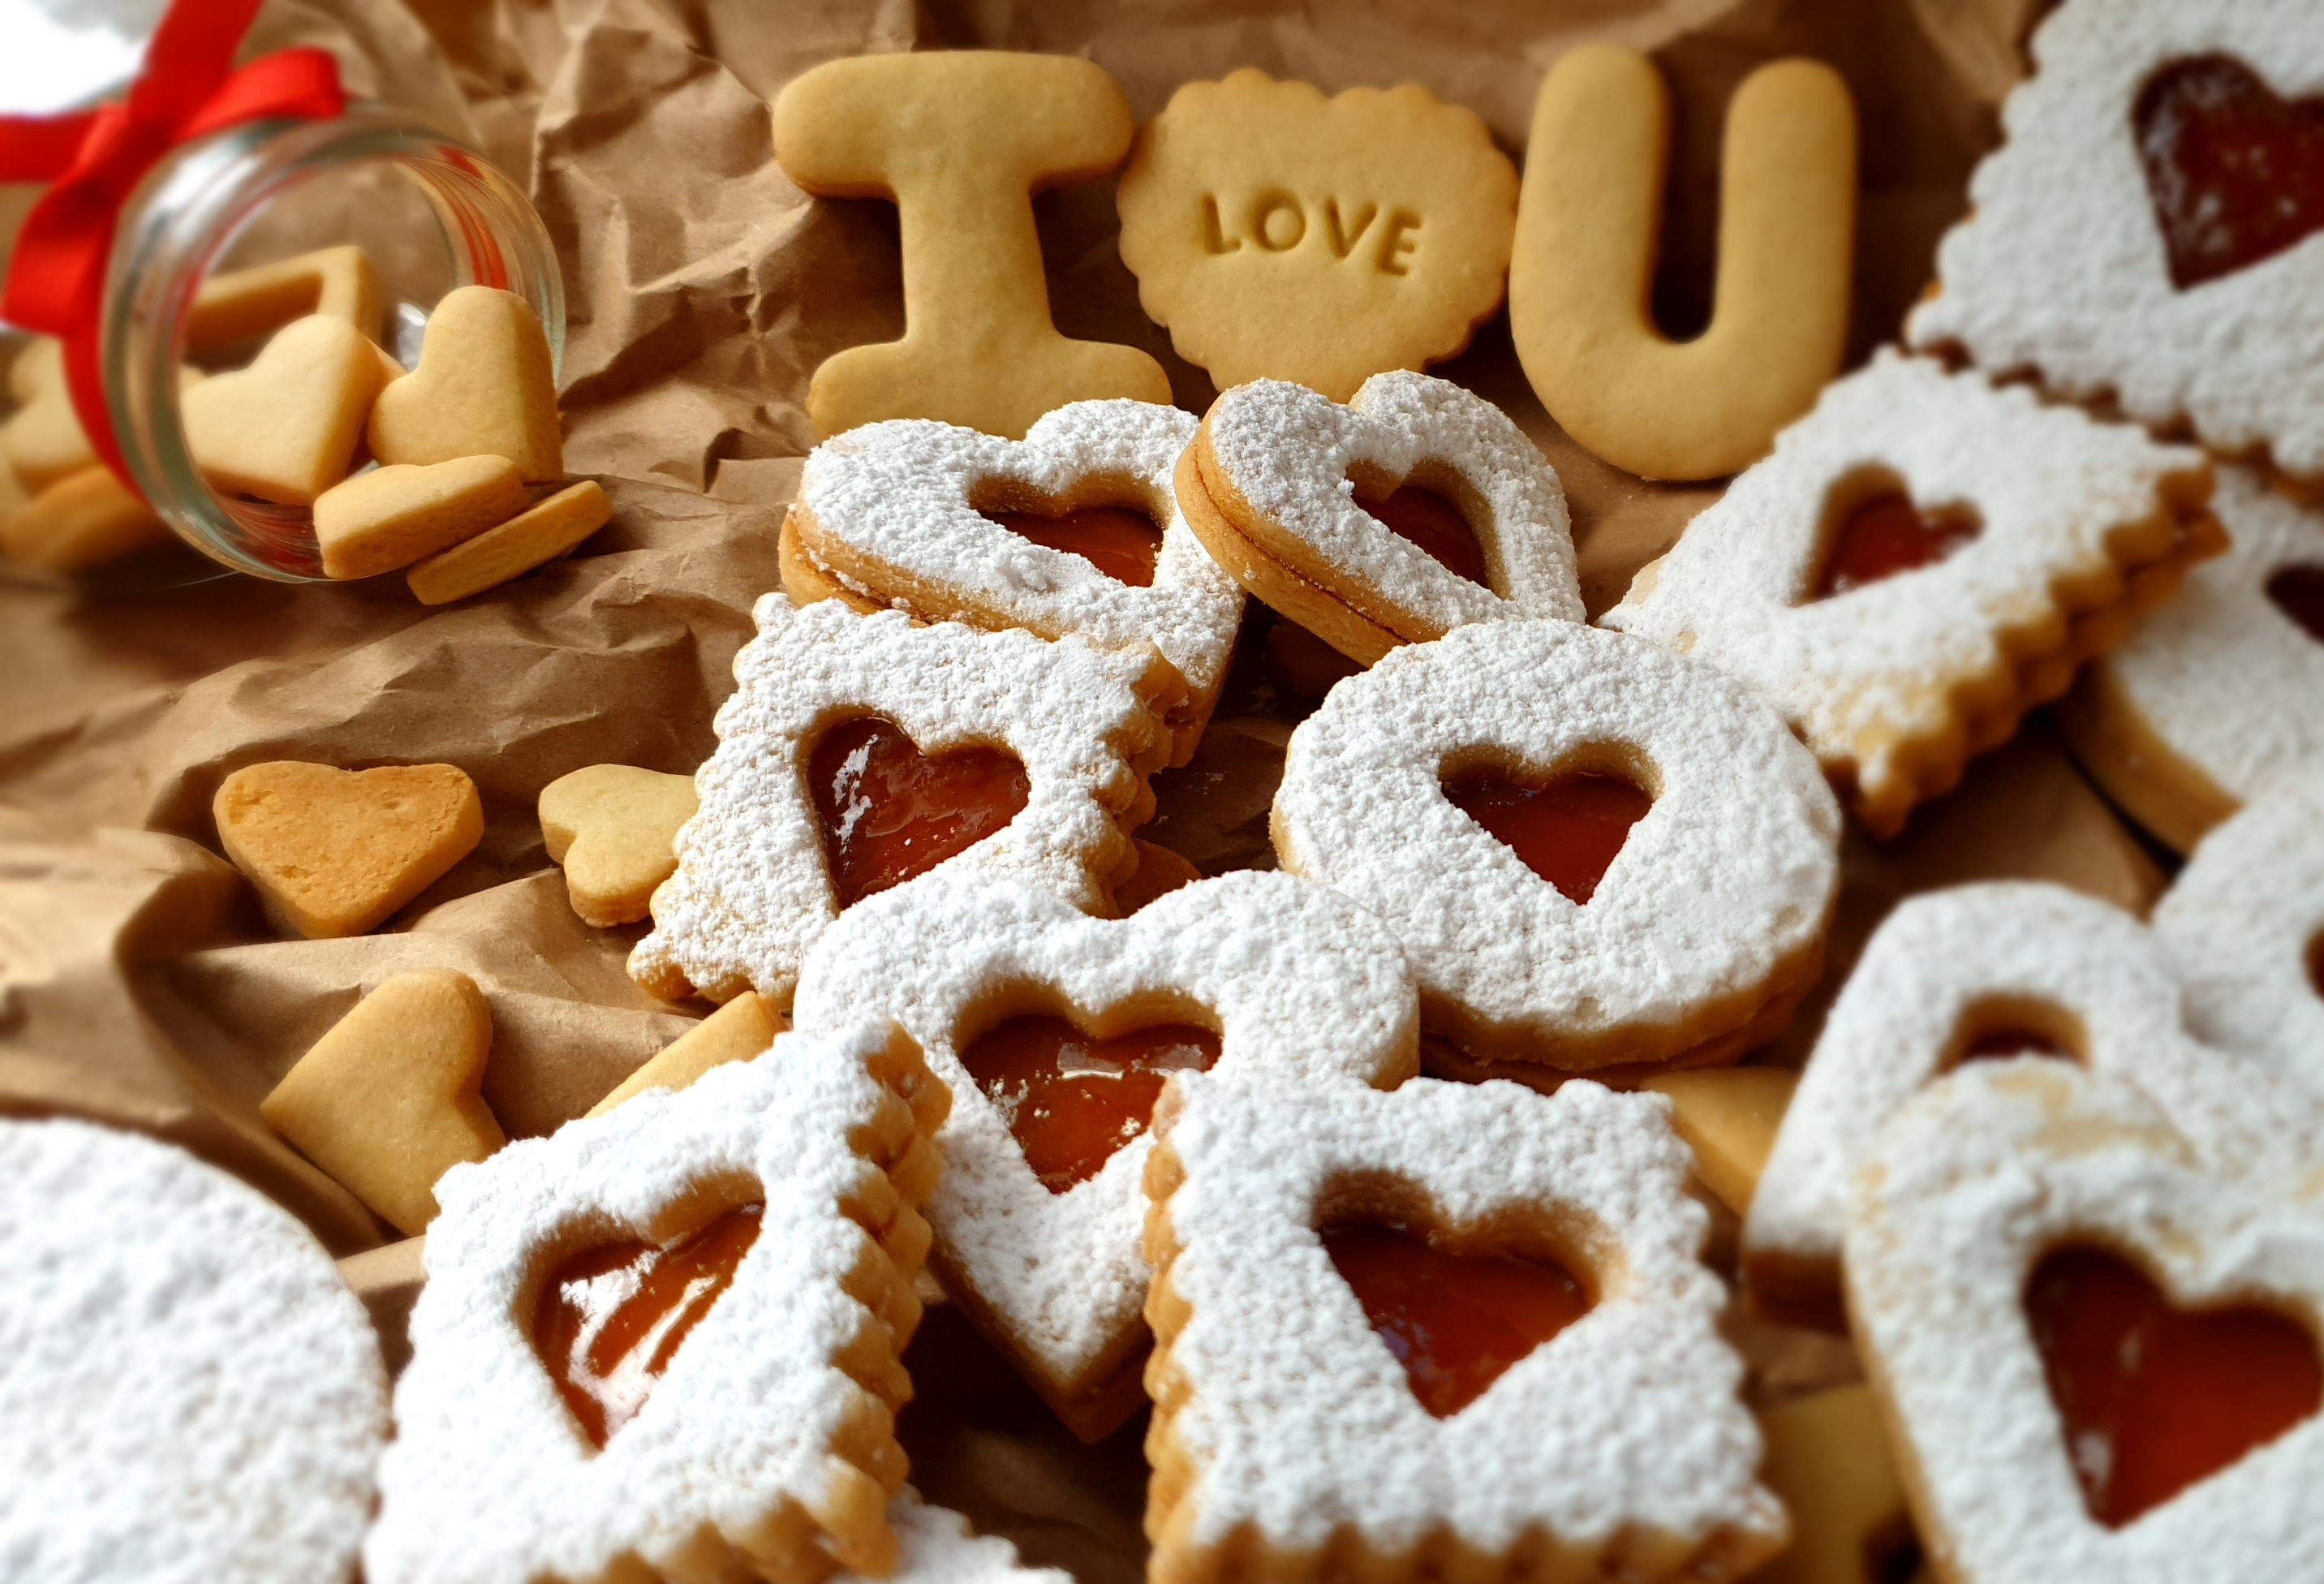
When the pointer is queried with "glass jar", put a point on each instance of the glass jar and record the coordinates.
(437, 211)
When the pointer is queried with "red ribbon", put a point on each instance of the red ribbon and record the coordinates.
(93, 160)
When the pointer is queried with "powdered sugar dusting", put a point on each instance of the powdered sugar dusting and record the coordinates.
(938, 1547)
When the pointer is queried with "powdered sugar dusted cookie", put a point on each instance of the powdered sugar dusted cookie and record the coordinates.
(1075, 528)
(936, 1546)
(1923, 559)
(1598, 855)
(667, 1339)
(2147, 231)
(1416, 508)
(2220, 694)
(1056, 1032)
(191, 1392)
(1452, 1320)
(2097, 1361)
(863, 751)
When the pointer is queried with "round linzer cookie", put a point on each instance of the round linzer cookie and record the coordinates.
(1452, 1320)
(1073, 528)
(189, 1390)
(1600, 857)
(2097, 1360)
(1056, 1032)
(1922, 559)
(1416, 508)
(861, 753)
(671, 1335)
(2147, 232)
(2220, 694)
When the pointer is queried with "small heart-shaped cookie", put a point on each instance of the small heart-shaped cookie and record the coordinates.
(389, 517)
(612, 826)
(334, 851)
(339, 281)
(284, 428)
(486, 384)
(42, 438)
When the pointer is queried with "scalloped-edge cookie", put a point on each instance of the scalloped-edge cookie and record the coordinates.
(189, 1389)
(1252, 974)
(748, 1425)
(753, 887)
(903, 515)
(1923, 559)
(935, 1545)
(1289, 1443)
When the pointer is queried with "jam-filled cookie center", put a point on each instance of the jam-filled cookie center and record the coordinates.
(1426, 518)
(1887, 534)
(1119, 541)
(1566, 828)
(610, 1318)
(889, 812)
(1073, 1098)
(1456, 1321)
(2154, 1397)
(2236, 173)
(2299, 593)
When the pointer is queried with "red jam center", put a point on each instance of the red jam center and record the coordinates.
(1887, 535)
(1073, 1100)
(1116, 541)
(890, 812)
(2299, 593)
(1566, 830)
(2236, 174)
(2156, 1398)
(1998, 1043)
(1434, 523)
(1455, 1322)
(612, 1318)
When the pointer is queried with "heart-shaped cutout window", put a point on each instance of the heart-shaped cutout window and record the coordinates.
(1884, 534)
(890, 813)
(610, 1318)
(2299, 593)
(1426, 518)
(1073, 1098)
(2001, 1026)
(2155, 1397)
(2234, 172)
(1456, 1319)
(1121, 542)
(1567, 828)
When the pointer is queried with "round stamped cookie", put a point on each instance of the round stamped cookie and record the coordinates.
(670, 1335)
(1451, 1319)
(860, 752)
(2220, 694)
(1416, 508)
(1596, 855)
(1075, 528)
(2147, 229)
(191, 1392)
(1923, 559)
(1056, 1032)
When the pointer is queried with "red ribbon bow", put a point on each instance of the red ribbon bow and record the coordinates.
(95, 160)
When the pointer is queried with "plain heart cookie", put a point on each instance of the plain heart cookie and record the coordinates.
(332, 851)
(611, 827)
(284, 430)
(486, 385)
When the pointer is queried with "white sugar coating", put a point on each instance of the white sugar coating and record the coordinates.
(1729, 877)
(1299, 1421)
(751, 892)
(1298, 982)
(489, 1475)
(1288, 450)
(1871, 671)
(2229, 681)
(188, 1391)
(2061, 267)
(938, 1547)
(1974, 1180)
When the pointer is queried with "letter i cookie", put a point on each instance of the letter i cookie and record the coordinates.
(666, 1341)
(1056, 1032)
(1413, 509)
(860, 752)
(1923, 559)
(1075, 528)
(1457, 1327)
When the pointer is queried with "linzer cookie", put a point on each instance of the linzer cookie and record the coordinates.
(1413, 509)
(1923, 559)
(664, 1341)
(2220, 694)
(1056, 1032)
(1600, 857)
(1076, 528)
(863, 751)
(2097, 1361)
(2147, 232)
(1449, 1322)
(936, 1546)
(189, 1389)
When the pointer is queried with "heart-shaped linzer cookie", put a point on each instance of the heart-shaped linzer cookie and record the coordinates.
(890, 813)
(485, 386)
(284, 428)
(2235, 172)
(334, 851)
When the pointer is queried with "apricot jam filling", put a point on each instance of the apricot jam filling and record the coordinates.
(889, 812)
(1566, 829)
(1072, 1098)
